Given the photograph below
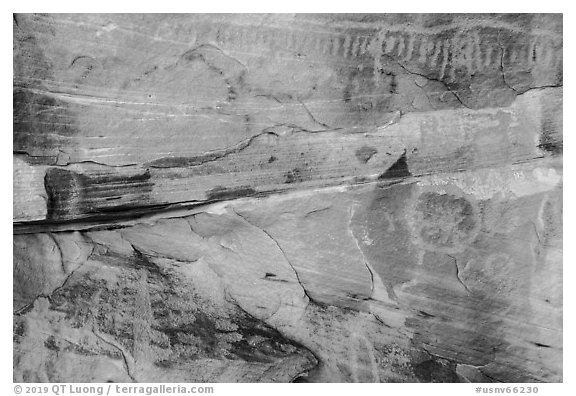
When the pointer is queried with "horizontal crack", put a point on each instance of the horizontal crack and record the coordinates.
(119, 219)
(54, 158)
(211, 156)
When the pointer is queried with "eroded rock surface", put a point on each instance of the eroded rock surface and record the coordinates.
(307, 198)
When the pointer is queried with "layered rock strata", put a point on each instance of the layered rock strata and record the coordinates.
(273, 198)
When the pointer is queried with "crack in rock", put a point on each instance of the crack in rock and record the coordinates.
(453, 92)
(126, 357)
(283, 253)
(458, 274)
(314, 118)
(317, 361)
(361, 252)
(517, 92)
(56, 163)
(25, 309)
(210, 156)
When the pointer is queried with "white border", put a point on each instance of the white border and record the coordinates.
(242, 6)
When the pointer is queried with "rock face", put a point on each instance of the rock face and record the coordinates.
(306, 198)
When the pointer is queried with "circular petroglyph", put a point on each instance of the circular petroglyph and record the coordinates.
(444, 220)
(496, 274)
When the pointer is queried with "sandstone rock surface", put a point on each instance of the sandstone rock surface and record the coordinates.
(274, 198)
